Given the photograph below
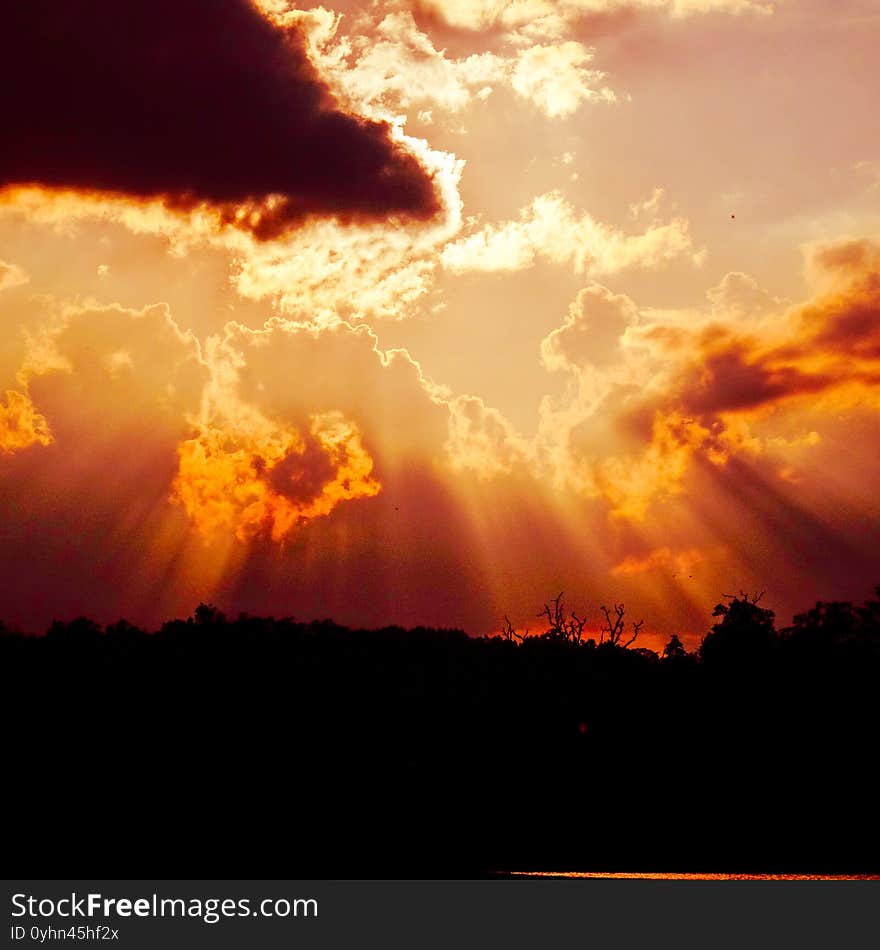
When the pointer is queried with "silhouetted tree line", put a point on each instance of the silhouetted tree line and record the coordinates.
(271, 747)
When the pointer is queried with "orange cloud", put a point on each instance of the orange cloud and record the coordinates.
(830, 343)
(297, 419)
(20, 424)
(659, 559)
(720, 382)
(268, 483)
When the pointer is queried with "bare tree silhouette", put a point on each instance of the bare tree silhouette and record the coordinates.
(614, 628)
(509, 631)
(564, 627)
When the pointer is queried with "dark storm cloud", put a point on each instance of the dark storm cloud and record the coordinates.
(850, 322)
(190, 101)
(830, 348)
(732, 379)
(301, 475)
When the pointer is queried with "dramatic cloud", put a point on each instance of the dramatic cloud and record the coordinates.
(390, 64)
(325, 271)
(321, 270)
(192, 102)
(297, 419)
(293, 371)
(739, 297)
(482, 441)
(554, 77)
(829, 343)
(550, 228)
(715, 381)
(650, 393)
(395, 66)
(416, 403)
(660, 559)
(20, 424)
(592, 332)
(263, 481)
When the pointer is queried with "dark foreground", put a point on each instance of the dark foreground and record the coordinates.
(268, 748)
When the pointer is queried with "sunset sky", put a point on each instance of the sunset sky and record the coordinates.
(421, 312)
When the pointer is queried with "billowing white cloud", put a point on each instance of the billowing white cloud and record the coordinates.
(323, 270)
(550, 228)
(548, 15)
(555, 78)
(391, 65)
(592, 332)
(482, 441)
(739, 296)
(388, 64)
